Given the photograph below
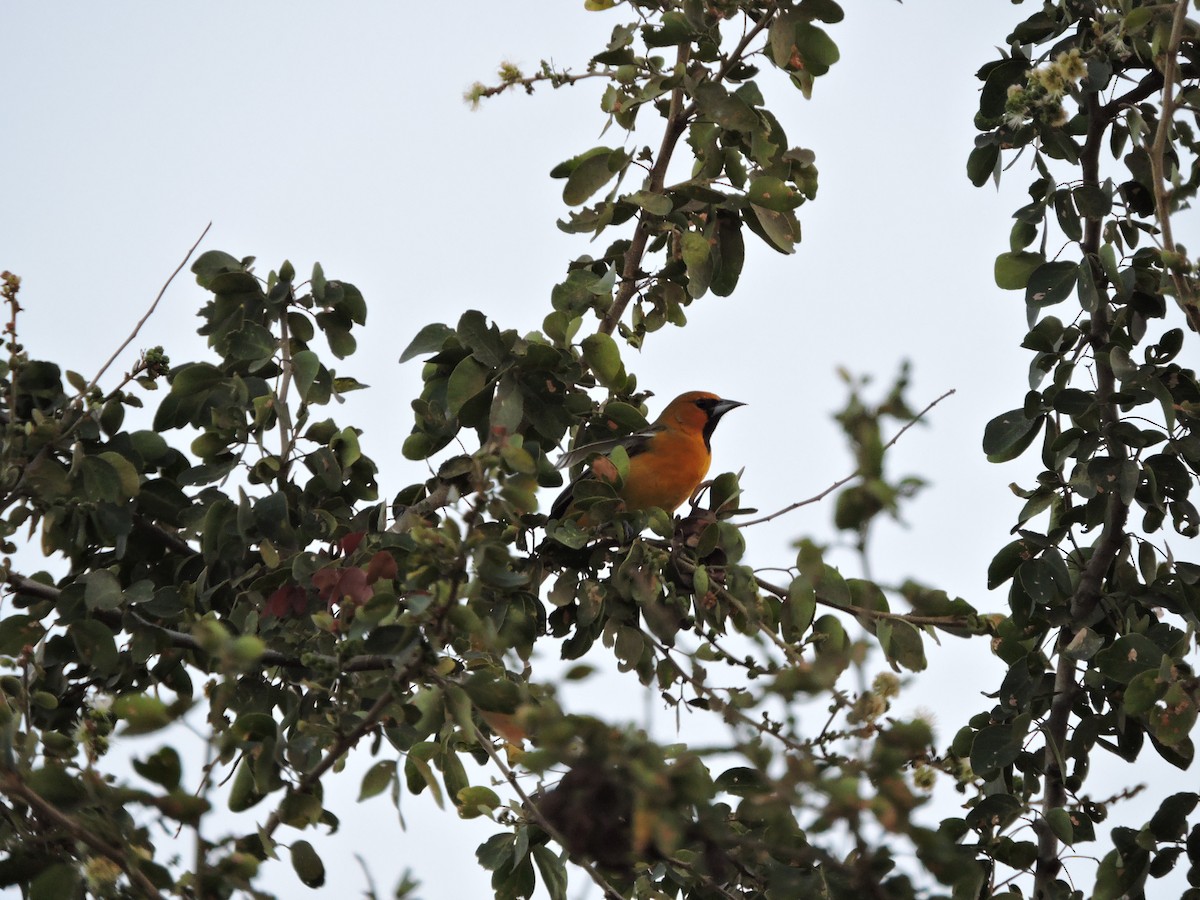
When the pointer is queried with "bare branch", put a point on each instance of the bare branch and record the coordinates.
(149, 313)
(876, 614)
(816, 498)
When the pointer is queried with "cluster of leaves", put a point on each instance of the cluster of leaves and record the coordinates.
(744, 174)
(235, 557)
(1102, 613)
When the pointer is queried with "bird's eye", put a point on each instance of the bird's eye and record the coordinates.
(705, 403)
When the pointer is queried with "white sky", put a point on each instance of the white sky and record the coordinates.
(338, 134)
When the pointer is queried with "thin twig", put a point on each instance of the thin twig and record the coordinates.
(877, 614)
(855, 474)
(480, 91)
(729, 710)
(543, 822)
(14, 787)
(343, 745)
(149, 313)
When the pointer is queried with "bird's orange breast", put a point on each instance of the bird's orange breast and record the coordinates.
(666, 475)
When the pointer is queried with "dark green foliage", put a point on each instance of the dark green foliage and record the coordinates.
(236, 557)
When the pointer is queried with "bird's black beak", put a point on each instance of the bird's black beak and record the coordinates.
(721, 407)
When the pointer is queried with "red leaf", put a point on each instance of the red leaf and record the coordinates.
(343, 585)
(382, 565)
(350, 542)
(289, 600)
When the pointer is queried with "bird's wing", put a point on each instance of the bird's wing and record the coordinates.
(633, 443)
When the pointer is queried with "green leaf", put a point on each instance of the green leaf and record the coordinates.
(142, 713)
(1007, 435)
(55, 784)
(102, 590)
(149, 445)
(493, 692)
(468, 380)
(1013, 270)
(418, 774)
(195, 378)
(1170, 822)
(429, 339)
(1173, 721)
(1059, 821)
(100, 480)
(552, 870)
(822, 10)
(1039, 582)
(162, 767)
(305, 366)
(1092, 201)
(773, 193)
(780, 230)
(242, 792)
(57, 882)
(697, 256)
(982, 163)
(901, 644)
(728, 110)
(95, 645)
(655, 204)
(730, 256)
(318, 282)
(377, 779)
(589, 172)
(695, 249)
(603, 357)
(212, 264)
(352, 303)
(307, 864)
(1051, 283)
(799, 609)
(1129, 655)
(481, 338)
(476, 801)
(995, 747)
(816, 48)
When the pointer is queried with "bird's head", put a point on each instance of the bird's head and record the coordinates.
(696, 411)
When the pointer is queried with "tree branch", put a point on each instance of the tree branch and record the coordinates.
(677, 119)
(1090, 588)
(346, 742)
(149, 313)
(12, 785)
(676, 124)
(610, 892)
(1184, 295)
(855, 474)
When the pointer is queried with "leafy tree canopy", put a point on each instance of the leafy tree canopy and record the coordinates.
(230, 560)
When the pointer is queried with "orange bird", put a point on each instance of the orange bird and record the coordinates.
(667, 461)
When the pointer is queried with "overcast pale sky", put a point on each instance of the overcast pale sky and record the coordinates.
(338, 133)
